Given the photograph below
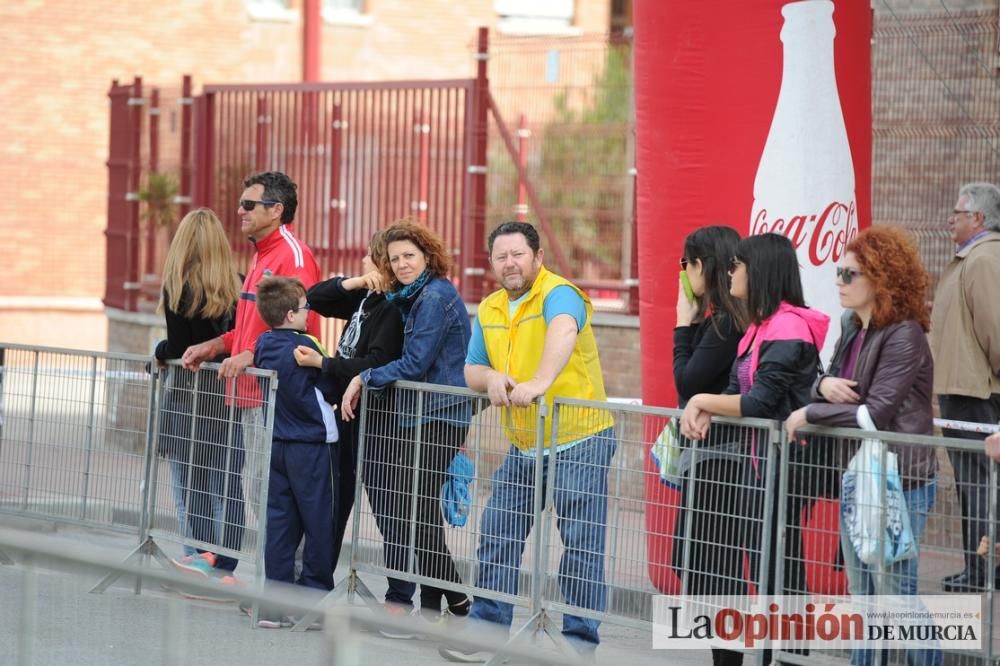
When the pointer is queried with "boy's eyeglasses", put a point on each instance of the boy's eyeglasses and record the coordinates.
(249, 204)
(846, 275)
(302, 307)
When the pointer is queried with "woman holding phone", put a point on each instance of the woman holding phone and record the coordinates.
(710, 323)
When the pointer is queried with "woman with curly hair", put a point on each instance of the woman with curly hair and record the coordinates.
(882, 365)
(414, 264)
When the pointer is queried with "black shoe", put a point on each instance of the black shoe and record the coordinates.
(966, 581)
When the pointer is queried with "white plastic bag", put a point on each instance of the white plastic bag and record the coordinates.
(865, 511)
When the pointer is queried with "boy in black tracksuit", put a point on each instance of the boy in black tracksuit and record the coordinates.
(300, 483)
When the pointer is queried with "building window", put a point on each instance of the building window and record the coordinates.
(270, 10)
(346, 12)
(531, 17)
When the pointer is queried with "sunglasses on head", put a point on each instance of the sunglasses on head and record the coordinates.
(846, 275)
(249, 204)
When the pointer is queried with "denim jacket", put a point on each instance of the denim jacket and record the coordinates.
(436, 334)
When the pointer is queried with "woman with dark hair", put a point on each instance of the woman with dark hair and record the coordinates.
(436, 332)
(373, 337)
(709, 327)
(777, 361)
(882, 366)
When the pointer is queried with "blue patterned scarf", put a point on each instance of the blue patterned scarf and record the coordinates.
(409, 290)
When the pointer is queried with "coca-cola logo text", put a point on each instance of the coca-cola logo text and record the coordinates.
(827, 234)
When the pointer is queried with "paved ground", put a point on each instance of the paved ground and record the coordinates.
(119, 627)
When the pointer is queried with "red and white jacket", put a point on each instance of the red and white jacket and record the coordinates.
(282, 254)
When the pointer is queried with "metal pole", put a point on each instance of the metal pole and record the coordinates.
(415, 489)
(186, 102)
(31, 434)
(521, 209)
(89, 444)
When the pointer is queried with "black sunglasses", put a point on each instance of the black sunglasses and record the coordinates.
(249, 204)
(846, 275)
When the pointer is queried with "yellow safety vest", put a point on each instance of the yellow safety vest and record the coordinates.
(515, 347)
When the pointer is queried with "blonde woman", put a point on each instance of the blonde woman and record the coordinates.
(198, 299)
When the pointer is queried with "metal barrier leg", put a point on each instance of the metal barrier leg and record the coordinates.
(142, 553)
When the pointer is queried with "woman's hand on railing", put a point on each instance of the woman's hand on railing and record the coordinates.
(796, 420)
(695, 422)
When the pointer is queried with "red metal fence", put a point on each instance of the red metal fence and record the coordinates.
(122, 263)
(364, 154)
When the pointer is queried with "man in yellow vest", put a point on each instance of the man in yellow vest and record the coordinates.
(533, 338)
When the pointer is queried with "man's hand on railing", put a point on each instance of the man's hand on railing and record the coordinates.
(234, 365)
(993, 447)
(498, 386)
(195, 355)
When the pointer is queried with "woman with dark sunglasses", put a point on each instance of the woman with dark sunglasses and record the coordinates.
(709, 327)
(882, 366)
(777, 361)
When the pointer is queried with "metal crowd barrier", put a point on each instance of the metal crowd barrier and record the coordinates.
(99, 440)
(934, 514)
(742, 513)
(408, 436)
(623, 509)
(117, 629)
(664, 522)
(73, 431)
(208, 454)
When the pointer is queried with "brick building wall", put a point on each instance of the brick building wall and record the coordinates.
(59, 60)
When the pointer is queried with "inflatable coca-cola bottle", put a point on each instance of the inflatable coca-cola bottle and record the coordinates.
(804, 187)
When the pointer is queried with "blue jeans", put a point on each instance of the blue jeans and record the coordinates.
(581, 504)
(900, 578)
(179, 484)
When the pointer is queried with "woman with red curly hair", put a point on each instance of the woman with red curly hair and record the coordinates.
(882, 365)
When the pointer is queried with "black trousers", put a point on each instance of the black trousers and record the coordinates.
(392, 472)
(714, 550)
(972, 471)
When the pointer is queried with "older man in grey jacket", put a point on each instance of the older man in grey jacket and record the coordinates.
(965, 339)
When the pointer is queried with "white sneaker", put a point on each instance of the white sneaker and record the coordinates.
(398, 612)
(465, 656)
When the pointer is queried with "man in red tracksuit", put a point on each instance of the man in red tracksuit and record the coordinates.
(267, 209)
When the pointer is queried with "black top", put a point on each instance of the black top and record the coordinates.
(183, 332)
(703, 356)
(381, 337)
